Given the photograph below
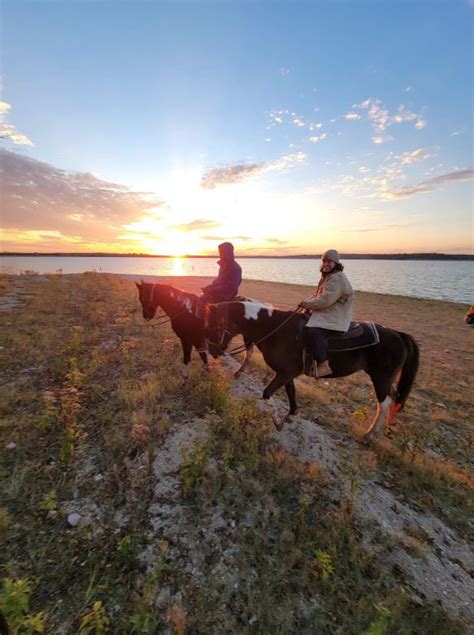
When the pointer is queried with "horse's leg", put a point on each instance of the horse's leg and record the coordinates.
(277, 382)
(384, 388)
(187, 349)
(249, 349)
(202, 351)
(291, 393)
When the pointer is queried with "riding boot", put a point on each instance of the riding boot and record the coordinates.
(324, 369)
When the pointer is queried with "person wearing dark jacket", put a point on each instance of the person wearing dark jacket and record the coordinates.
(226, 285)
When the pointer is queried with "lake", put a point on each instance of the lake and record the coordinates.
(435, 279)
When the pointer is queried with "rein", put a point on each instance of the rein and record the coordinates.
(242, 348)
(167, 318)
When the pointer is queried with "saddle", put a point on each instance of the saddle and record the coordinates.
(359, 335)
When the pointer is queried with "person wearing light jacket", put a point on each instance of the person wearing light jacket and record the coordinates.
(331, 310)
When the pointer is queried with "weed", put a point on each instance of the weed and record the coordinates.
(95, 621)
(14, 604)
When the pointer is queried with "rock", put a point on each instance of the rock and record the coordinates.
(11, 445)
(73, 519)
(98, 477)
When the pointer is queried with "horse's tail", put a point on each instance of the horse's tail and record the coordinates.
(407, 374)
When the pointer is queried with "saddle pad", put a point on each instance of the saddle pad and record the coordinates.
(362, 335)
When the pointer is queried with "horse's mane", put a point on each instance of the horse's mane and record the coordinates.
(177, 291)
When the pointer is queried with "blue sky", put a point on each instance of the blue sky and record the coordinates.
(286, 127)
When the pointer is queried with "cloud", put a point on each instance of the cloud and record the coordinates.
(230, 174)
(36, 196)
(456, 133)
(381, 118)
(231, 238)
(407, 158)
(352, 116)
(376, 229)
(315, 138)
(457, 176)
(7, 130)
(284, 71)
(196, 225)
(276, 241)
(236, 173)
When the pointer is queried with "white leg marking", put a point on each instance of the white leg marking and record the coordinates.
(379, 419)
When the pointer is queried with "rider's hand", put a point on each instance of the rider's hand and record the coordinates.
(301, 305)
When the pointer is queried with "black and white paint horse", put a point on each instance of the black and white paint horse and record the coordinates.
(391, 364)
(181, 308)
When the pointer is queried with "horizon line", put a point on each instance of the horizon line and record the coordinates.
(349, 255)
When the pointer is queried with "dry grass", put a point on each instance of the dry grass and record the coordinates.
(92, 397)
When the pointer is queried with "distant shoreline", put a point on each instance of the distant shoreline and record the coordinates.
(344, 256)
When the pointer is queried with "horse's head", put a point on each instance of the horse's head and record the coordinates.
(146, 294)
(220, 329)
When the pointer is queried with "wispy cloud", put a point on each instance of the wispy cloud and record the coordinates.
(376, 229)
(276, 241)
(36, 196)
(352, 116)
(196, 225)
(236, 173)
(407, 158)
(230, 174)
(8, 131)
(457, 176)
(382, 119)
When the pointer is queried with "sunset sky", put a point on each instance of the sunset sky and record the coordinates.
(285, 127)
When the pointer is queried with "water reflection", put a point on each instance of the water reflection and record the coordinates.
(177, 268)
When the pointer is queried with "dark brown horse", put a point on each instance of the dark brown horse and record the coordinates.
(181, 308)
(392, 363)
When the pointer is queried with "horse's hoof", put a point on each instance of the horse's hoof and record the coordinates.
(278, 423)
(367, 438)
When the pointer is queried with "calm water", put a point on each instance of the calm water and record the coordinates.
(440, 280)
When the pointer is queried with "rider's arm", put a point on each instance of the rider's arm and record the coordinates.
(330, 295)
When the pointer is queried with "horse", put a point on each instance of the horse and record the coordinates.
(182, 311)
(391, 364)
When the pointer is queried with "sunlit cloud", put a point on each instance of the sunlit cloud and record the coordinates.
(236, 173)
(37, 196)
(456, 133)
(8, 131)
(457, 176)
(230, 174)
(381, 119)
(407, 158)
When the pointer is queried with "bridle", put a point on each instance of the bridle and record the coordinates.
(153, 301)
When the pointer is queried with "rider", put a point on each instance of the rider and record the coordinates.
(226, 285)
(331, 310)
